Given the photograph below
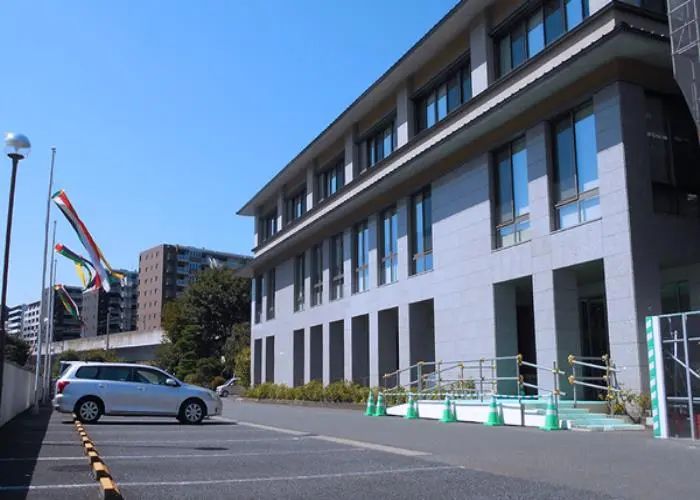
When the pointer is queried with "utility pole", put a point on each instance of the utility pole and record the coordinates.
(43, 305)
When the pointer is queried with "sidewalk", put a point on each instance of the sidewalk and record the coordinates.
(41, 458)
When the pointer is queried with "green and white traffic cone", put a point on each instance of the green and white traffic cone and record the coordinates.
(494, 419)
(551, 417)
(370, 405)
(380, 410)
(447, 415)
(411, 411)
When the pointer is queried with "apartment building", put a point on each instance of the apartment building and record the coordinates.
(114, 311)
(14, 315)
(23, 321)
(166, 270)
(522, 180)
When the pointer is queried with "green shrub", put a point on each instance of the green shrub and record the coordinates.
(337, 392)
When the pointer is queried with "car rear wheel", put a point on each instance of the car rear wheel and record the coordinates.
(192, 412)
(224, 394)
(88, 410)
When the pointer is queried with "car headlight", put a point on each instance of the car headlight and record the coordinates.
(212, 395)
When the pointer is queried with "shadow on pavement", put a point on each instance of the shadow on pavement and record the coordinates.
(22, 438)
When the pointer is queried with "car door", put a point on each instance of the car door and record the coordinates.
(161, 399)
(118, 391)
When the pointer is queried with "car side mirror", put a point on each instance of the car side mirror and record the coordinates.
(172, 383)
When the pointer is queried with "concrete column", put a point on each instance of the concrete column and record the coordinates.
(351, 155)
(280, 210)
(404, 115)
(404, 342)
(539, 175)
(481, 53)
(557, 331)
(632, 274)
(310, 178)
(402, 212)
(326, 354)
(256, 229)
(595, 5)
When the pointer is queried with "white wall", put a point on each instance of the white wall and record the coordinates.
(17, 391)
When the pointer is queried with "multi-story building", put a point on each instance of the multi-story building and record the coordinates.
(65, 326)
(523, 180)
(166, 270)
(15, 316)
(23, 321)
(116, 308)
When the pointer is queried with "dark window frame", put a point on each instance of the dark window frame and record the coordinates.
(317, 275)
(393, 256)
(360, 263)
(299, 282)
(335, 170)
(270, 291)
(458, 70)
(520, 22)
(424, 256)
(295, 206)
(521, 233)
(581, 196)
(337, 266)
(267, 226)
(259, 282)
(369, 142)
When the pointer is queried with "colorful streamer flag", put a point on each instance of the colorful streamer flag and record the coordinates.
(82, 265)
(97, 259)
(67, 301)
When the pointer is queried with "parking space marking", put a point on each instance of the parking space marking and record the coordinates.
(34, 487)
(373, 446)
(337, 475)
(358, 444)
(128, 442)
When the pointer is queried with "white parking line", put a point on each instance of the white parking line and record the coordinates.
(129, 442)
(35, 487)
(338, 475)
(178, 456)
(360, 444)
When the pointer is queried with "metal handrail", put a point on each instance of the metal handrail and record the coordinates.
(609, 377)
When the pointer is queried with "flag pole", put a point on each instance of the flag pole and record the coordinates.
(37, 374)
(49, 324)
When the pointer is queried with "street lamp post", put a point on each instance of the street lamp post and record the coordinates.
(17, 147)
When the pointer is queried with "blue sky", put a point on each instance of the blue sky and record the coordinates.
(168, 115)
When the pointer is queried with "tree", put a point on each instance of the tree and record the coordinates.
(210, 319)
(242, 367)
(17, 349)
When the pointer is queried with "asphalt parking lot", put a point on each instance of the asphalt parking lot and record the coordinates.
(223, 459)
(41, 458)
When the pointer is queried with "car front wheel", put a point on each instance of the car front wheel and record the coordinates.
(192, 412)
(224, 394)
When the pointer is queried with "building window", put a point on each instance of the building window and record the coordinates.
(673, 154)
(360, 257)
(675, 298)
(445, 97)
(512, 206)
(268, 226)
(258, 284)
(576, 168)
(271, 289)
(379, 145)
(421, 232)
(388, 246)
(317, 275)
(329, 181)
(295, 206)
(531, 34)
(337, 264)
(652, 5)
(299, 275)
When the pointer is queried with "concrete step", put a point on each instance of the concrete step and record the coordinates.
(576, 426)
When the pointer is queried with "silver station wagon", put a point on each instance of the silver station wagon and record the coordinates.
(93, 389)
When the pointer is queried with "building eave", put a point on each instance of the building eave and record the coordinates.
(385, 84)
